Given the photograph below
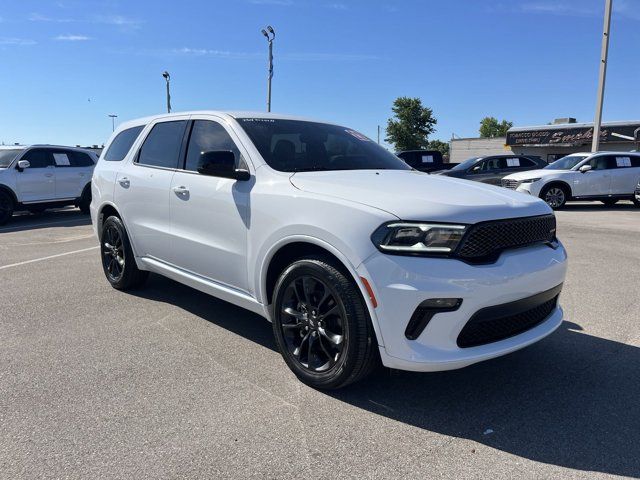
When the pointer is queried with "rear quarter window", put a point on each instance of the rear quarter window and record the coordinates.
(121, 145)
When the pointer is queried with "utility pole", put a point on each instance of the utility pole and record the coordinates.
(113, 121)
(378, 134)
(270, 35)
(608, 6)
(167, 77)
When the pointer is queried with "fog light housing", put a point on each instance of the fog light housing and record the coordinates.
(425, 312)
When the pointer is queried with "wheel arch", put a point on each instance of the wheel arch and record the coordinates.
(288, 250)
(104, 212)
(9, 190)
(560, 183)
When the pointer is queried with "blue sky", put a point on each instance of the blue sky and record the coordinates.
(67, 64)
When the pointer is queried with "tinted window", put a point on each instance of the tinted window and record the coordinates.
(602, 163)
(525, 162)
(122, 144)
(635, 161)
(80, 159)
(626, 161)
(297, 146)
(70, 158)
(38, 158)
(208, 136)
(161, 148)
(7, 156)
(495, 164)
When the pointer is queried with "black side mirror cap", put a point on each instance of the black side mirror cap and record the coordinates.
(221, 163)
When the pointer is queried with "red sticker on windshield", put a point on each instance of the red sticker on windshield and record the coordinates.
(358, 135)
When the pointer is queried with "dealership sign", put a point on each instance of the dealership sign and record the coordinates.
(572, 135)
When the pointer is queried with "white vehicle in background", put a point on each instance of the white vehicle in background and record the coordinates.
(604, 176)
(44, 176)
(352, 255)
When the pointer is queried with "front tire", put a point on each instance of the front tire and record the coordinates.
(322, 326)
(556, 196)
(118, 262)
(6, 207)
(636, 198)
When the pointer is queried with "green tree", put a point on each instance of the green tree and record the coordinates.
(490, 127)
(411, 125)
(440, 146)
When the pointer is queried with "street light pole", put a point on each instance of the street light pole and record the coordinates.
(595, 145)
(113, 121)
(167, 77)
(269, 34)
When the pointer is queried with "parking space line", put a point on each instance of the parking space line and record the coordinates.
(47, 258)
(38, 225)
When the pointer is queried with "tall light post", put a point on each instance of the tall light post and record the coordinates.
(113, 121)
(269, 34)
(167, 77)
(608, 6)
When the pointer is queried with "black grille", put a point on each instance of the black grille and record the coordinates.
(486, 240)
(503, 321)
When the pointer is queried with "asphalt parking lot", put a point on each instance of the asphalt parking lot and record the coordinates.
(170, 383)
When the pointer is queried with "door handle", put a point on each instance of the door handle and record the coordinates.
(181, 190)
(124, 182)
(48, 174)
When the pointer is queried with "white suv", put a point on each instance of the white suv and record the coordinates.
(604, 176)
(44, 176)
(351, 254)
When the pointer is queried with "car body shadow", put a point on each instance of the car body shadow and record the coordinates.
(68, 217)
(571, 400)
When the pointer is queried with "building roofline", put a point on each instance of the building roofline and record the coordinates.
(563, 126)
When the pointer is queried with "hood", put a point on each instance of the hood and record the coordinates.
(533, 174)
(411, 195)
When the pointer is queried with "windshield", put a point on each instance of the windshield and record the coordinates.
(7, 156)
(566, 163)
(466, 164)
(299, 146)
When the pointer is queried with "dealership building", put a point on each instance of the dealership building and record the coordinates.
(549, 142)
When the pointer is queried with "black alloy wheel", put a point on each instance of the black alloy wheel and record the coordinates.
(313, 323)
(6, 207)
(113, 259)
(321, 324)
(117, 256)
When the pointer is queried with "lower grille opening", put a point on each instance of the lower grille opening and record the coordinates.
(496, 323)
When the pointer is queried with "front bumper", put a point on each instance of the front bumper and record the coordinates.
(530, 188)
(400, 284)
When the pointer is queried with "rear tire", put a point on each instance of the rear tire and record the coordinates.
(322, 326)
(6, 207)
(609, 202)
(118, 262)
(555, 195)
(85, 200)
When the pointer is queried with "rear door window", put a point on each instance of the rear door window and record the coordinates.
(162, 146)
(122, 144)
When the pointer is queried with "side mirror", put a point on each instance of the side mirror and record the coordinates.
(221, 163)
(22, 164)
(585, 168)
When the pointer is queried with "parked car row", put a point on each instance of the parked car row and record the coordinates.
(44, 176)
(604, 176)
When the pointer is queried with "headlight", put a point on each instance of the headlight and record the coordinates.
(530, 180)
(417, 238)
